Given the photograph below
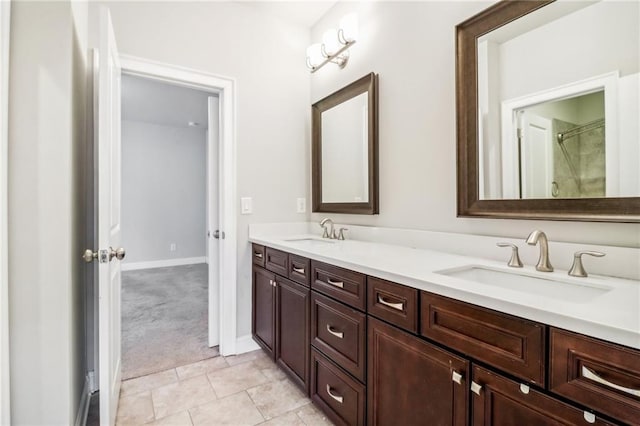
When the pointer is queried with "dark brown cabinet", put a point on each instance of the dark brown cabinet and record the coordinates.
(338, 394)
(264, 309)
(498, 401)
(597, 374)
(371, 351)
(513, 344)
(413, 382)
(281, 312)
(292, 330)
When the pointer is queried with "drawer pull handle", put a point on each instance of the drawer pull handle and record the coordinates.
(336, 397)
(398, 306)
(456, 377)
(257, 254)
(338, 334)
(593, 376)
(524, 388)
(298, 270)
(338, 284)
(475, 388)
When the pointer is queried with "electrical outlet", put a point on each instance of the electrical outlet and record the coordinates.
(301, 205)
(173, 247)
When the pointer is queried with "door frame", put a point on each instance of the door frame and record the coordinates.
(225, 87)
(5, 12)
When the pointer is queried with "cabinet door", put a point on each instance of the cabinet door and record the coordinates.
(498, 401)
(292, 325)
(412, 382)
(263, 319)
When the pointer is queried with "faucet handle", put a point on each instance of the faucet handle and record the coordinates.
(325, 232)
(341, 233)
(515, 261)
(577, 269)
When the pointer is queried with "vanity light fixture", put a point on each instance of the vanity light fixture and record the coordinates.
(334, 44)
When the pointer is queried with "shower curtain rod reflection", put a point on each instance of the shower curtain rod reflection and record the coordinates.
(578, 130)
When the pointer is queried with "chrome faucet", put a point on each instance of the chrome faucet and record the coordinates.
(535, 237)
(327, 233)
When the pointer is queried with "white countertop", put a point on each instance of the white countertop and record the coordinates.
(612, 315)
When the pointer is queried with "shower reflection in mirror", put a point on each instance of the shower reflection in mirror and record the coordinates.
(561, 148)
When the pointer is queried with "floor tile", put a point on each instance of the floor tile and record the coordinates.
(135, 409)
(288, 419)
(145, 383)
(236, 378)
(276, 398)
(273, 373)
(179, 419)
(312, 416)
(246, 357)
(236, 410)
(181, 396)
(201, 367)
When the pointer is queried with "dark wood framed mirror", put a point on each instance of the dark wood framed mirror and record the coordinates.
(344, 154)
(500, 171)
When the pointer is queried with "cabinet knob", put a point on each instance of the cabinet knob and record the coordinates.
(475, 388)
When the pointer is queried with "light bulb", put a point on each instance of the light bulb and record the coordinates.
(349, 28)
(314, 55)
(330, 42)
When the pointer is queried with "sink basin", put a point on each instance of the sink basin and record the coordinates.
(310, 241)
(530, 284)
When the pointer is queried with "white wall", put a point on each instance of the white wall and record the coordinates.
(266, 57)
(163, 195)
(573, 48)
(47, 139)
(412, 47)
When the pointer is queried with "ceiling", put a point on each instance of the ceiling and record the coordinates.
(301, 12)
(157, 102)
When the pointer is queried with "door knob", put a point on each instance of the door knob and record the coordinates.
(89, 255)
(105, 255)
(118, 253)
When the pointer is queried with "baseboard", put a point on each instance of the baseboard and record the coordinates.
(245, 344)
(162, 263)
(83, 407)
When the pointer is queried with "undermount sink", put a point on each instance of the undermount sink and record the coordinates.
(524, 282)
(310, 241)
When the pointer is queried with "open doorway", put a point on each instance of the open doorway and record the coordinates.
(168, 194)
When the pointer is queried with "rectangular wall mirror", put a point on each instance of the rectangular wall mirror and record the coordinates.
(547, 111)
(345, 149)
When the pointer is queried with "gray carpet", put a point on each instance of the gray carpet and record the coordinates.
(164, 319)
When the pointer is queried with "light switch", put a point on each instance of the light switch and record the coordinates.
(301, 205)
(246, 205)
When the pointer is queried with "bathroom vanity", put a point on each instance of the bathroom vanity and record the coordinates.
(424, 347)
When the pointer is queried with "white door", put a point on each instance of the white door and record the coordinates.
(213, 214)
(536, 151)
(109, 156)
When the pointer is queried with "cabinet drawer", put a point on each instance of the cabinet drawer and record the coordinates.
(509, 343)
(342, 284)
(392, 302)
(276, 261)
(600, 375)
(257, 255)
(341, 397)
(299, 269)
(502, 402)
(340, 333)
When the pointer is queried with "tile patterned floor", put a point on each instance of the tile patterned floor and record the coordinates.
(247, 389)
